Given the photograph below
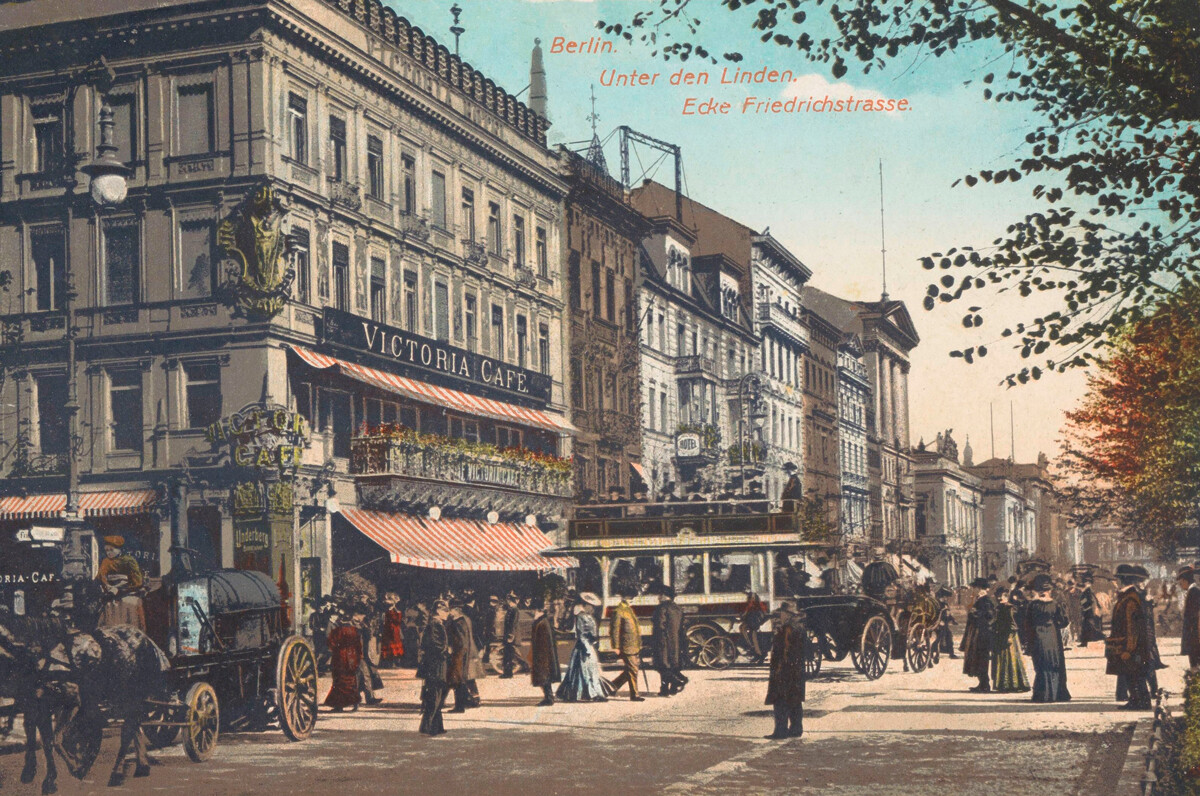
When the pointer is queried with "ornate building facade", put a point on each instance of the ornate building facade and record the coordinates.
(949, 512)
(854, 397)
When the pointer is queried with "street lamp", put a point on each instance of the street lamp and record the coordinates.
(750, 407)
(108, 175)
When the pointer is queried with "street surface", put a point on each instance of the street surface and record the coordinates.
(904, 734)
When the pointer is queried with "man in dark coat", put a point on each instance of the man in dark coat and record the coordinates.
(669, 642)
(977, 638)
(544, 670)
(785, 689)
(1190, 641)
(1092, 628)
(432, 668)
(1128, 647)
(511, 617)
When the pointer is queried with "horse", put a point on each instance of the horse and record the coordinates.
(22, 680)
(69, 669)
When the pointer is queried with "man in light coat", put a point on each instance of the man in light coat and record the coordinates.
(626, 637)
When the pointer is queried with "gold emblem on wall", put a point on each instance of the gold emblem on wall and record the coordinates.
(247, 499)
(279, 498)
(253, 238)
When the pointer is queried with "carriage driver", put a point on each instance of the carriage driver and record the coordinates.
(122, 580)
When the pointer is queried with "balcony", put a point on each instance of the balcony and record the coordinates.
(454, 461)
(414, 227)
(344, 193)
(776, 317)
(619, 428)
(696, 364)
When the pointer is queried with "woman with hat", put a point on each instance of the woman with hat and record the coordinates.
(1046, 618)
(345, 655)
(1092, 626)
(582, 683)
(1008, 670)
(391, 633)
(121, 578)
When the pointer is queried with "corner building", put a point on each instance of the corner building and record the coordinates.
(415, 321)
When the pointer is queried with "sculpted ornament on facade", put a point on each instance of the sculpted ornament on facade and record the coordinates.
(253, 238)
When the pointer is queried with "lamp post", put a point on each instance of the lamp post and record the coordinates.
(750, 408)
(107, 187)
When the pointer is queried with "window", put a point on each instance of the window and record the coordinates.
(522, 340)
(469, 313)
(662, 409)
(680, 340)
(375, 187)
(662, 332)
(125, 410)
(196, 272)
(573, 281)
(50, 273)
(630, 309)
(519, 240)
(464, 428)
(467, 211)
(121, 264)
(651, 406)
(494, 231)
(341, 277)
(125, 127)
(542, 254)
(544, 348)
(298, 127)
(498, 331)
(438, 198)
(47, 138)
(335, 418)
(441, 300)
(53, 434)
(597, 302)
(195, 119)
(610, 296)
(337, 148)
(507, 437)
(410, 300)
(203, 394)
(378, 289)
(409, 167)
(300, 239)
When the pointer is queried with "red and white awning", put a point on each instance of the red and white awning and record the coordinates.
(466, 545)
(91, 504)
(432, 393)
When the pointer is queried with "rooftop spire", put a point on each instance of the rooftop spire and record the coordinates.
(882, 236)
(537, 81)
(456, 28)
(595, 152)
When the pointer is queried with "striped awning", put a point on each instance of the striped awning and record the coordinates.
(467, 545)
(432, 393)
(91, 504)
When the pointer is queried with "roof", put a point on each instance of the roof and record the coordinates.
(716, 234)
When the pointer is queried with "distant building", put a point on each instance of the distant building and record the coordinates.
(949, 512)
(1050, 535)
(854, 398)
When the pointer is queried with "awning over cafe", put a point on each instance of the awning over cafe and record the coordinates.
(432, 393)
(91, 504)
(467, 545)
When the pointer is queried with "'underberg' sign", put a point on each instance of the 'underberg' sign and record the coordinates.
(424, 354)
(262, 436)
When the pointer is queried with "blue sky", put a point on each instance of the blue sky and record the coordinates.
(813, 179)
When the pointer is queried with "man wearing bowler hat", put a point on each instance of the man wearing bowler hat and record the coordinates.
(669, 643)
(1190, 643)
(785, 689)
(1128, 647)
(977, 637)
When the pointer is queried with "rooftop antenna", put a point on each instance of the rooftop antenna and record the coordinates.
(992, 423)
(456, 28)
(593, 117)
(882, 236)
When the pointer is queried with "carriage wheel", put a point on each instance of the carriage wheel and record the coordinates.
(834, 651)
(916, 647)
(697, 637)
(874, 648)
(812, 655)
(203, 722)
(720, 652)
(296, 688)
(158, 735)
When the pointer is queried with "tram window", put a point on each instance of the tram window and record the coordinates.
(638, 573)
(731, 572)
(588, 577)
(688, 576)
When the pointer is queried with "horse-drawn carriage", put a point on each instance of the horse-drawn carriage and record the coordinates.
(233, 661)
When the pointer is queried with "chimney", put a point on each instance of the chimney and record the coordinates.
(537, 81)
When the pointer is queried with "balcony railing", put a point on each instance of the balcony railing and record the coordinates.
(344, 193)
(384, 456)
(778, 317)
(696, 363)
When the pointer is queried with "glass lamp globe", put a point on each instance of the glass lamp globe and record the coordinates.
(108, 189)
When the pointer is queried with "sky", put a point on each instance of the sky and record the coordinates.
(813, 179)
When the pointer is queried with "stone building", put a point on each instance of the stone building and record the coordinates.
(419, 289)
(949, 511)
(603, 245)
(696, 340)
(822, 460)
(854, 397)
(1010, 513)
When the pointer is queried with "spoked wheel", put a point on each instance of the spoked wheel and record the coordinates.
(917, 649)
(874, 648)
(158, 735)
(720, 652)
(697, 637)
(812, 655)
(296, 688)
(203, 722)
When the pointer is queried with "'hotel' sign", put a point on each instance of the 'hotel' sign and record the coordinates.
(422, 353)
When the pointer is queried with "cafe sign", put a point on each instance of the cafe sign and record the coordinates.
(262, 436)
(422, 354)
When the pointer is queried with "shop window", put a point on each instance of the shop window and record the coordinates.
(203, 394)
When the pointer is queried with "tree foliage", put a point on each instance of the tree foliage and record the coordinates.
(1114, 165)
(1131, 451)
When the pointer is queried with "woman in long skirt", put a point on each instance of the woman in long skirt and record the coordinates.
(581, 682)
(1008, 670)
(1046, 618)
(345, 655)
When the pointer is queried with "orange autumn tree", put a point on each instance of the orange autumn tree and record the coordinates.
(1131, 450)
